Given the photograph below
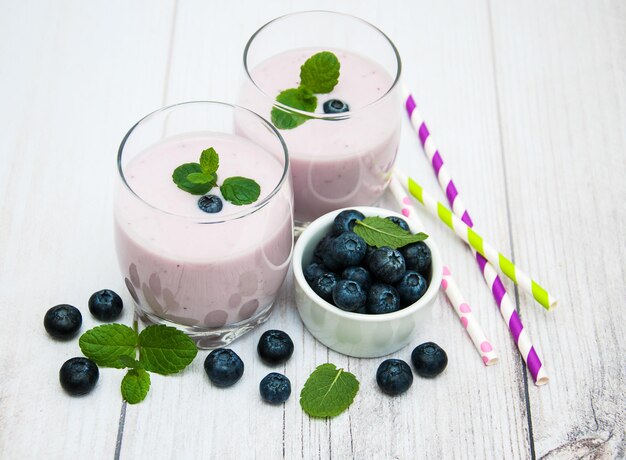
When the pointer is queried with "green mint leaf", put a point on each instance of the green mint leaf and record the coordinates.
(209, 160)
(107, 343)
(378, 232)
(201, 178)
(240, 190)
(328, 391)
(135, 385)
(298, 98)
(129, 362)
(320, 73)
(180, 176)
(165, 350)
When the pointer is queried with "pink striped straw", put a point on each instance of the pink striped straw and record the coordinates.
(503, 300)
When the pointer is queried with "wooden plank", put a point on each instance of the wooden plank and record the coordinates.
(561, 83)
(75, 76)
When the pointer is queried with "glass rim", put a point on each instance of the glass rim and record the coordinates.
(208, 220)
(313, 115)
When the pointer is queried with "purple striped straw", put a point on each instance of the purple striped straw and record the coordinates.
(503, 300)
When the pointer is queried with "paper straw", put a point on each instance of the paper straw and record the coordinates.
(477, 242)
(449, 286)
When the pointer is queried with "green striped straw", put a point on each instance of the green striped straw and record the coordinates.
(477, 242)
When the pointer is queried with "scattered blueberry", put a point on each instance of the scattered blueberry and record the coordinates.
(417, 257)
(275, 388)
(394, 376)
(411, 287)
(358, 274)
(324, 285)
(105, 305)
(382, 298)
(429, 359)
(348, 249)
(345, 221)
(78, 376)
(275, 347)
(387, 265)
(335, 106)
(399, 222)
(349, 295)
(210, 203)
(313, 271)
(63, 321)
(224, 367)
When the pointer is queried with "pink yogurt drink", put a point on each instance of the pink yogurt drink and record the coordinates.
(212, 275)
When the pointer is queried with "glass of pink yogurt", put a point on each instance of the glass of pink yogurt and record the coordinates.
(213, 275)
(337, 159)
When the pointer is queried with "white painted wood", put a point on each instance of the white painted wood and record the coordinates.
(76, 75)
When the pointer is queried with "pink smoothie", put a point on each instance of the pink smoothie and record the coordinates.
(193, 268)
(334, 163)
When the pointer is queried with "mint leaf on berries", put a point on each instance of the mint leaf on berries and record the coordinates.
(378, 232)
(320, 73)
(135, 385)
(106, 344)
(297, 98)
(328, 391)
(240, 190)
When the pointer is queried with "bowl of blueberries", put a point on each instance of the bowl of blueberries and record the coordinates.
(359, 299)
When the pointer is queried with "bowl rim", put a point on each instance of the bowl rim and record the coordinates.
(316, 226)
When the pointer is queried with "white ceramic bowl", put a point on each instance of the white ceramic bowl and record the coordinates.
(356, 334)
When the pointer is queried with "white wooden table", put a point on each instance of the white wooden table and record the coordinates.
(528, 104)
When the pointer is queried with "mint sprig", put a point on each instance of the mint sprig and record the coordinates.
(328, 391)
(162, 349)
(199, 178)
(378, 232)
(319, 74)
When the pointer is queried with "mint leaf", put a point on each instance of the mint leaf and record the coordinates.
(209, 160)
(240, 190)
(180, 176)
(135, 385)
(298, 98)
(320, 73)
(328, 391)
(198, 178)
(377, 231)
(129, 362)
(107, 343)
(165, 350)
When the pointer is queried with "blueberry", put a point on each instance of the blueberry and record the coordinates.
(348, 249)
(358, 274)
(335, 106)
(275, 388)
(78, 376)
(382, 298)
(312, 271)
(368, 254)
(105, 305)
(320, 249)
(417, 257)
(349, 295)
(345, 221)
(387, 265)
(328, 257)
(224, 367)
(399, 222)
(411, 287)
(62, 321)
(210, 203)
(324, 285)
(394, 376)
(275, 347)
(429, 359)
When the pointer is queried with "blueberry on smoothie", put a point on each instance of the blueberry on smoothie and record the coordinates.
(429, 359)
(394, 376)
(223, 367)
(275, 388)
(312, 271)
(335, 106)
(105, 305)
(411, 287)
(387, 265)
(349, 295)
(275, 347)
(417, 257)
(210, 203)
(78, 376)
(324, 285)
(348, 249)
(62, 321)
(345, 221)
(399, 222)
(382, 299)
(358, 274)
